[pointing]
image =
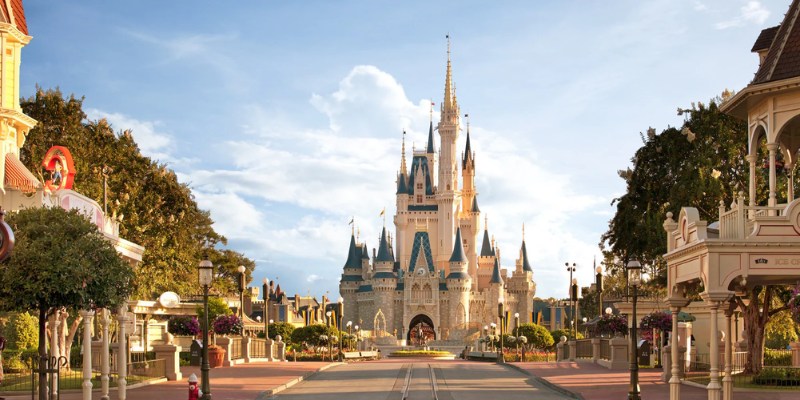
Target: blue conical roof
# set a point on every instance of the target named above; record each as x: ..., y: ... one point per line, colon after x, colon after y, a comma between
x: 458, y: 249
x: 430, y: 148
x: 402, y: 188
x: 475, y: 207
x: 496, y: 273
x: 486, y: 248
x: 364, y: 252
x: 526, y: 266
x: 383, y: 250
x: 353, y: 256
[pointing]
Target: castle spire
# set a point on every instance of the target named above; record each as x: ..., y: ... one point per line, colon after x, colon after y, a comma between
x: 448, y: 84
x: 430, y: 149
x: 403, y: 155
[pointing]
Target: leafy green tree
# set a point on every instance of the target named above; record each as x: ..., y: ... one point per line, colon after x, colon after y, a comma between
x: 21, y: 331
x: 156, y: 210
x: 311, y: 334
x: 60, y: 259
x: 538, y: 336
x: 216, y: 307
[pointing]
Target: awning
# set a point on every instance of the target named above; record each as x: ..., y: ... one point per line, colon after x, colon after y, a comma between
x: 18, y: 177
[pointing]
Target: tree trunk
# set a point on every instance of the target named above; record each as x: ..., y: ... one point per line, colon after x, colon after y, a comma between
x: 42, y: 355
x: 755, y: 322
x: 70, y: 337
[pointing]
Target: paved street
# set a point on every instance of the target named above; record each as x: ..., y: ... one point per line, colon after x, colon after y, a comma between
x: 419, y: 379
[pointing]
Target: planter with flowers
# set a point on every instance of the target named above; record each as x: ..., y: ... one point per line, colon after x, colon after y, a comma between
x: 228, y: 325
x: 611, y: 325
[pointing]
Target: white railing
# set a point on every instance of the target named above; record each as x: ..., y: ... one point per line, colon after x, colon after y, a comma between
x: 740, y: 219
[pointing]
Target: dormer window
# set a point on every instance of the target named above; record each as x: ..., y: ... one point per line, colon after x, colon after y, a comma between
x: 419, y: 186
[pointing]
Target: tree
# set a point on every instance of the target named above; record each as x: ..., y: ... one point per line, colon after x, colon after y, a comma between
x: 60, y: 259
x: 538, y: 336
x: 216, y: 307
x: 21, y: 331
x: 284, y: 329
x: 311, y: 334
x: 156, y: 210
x: 699, y: 165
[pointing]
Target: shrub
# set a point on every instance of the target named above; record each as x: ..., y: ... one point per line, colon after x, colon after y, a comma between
x: 558, y: 333
x: 183, y: 326
x: 537, y: 336
x: 216, y: 307
x: 284, y: 329
x: 777, y: 358
x: 22, y: 331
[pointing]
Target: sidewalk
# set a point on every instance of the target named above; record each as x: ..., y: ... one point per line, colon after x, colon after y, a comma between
x: 241, y: 382
x: 593, y: 382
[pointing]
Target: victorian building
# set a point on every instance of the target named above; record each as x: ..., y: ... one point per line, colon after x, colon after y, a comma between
x: 435, y: 276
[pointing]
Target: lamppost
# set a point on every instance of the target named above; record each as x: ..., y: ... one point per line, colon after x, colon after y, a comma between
x: 349, y: 333
x: 585, y: 331
x: 330, y: 337
x: 205, y: 275
x: 516, y: 330
x: 241, y: 270
x: 340, y: 314
x: 634, y: 269
x: 266, y: 312
x: 598, y: 284
x: 501, y: 313
x: 358, y: 336
x: 571, y: 269
x: 574, y: 295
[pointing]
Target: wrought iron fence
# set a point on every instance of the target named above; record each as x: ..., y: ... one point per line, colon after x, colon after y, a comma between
x: 605, y: 349
x: 258, y: 348
x: 583, y: 349
x: 236, y: 348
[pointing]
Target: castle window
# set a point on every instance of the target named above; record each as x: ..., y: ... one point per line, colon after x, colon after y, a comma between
x: 448, y: 186
x: 419, y: 198
x: 419, y: 186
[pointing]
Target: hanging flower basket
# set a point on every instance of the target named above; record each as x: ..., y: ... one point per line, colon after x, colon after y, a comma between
x: 612, y: 325
x: 228, y: 325
x: 657, y: 320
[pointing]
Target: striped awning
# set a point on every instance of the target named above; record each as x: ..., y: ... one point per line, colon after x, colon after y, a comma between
x: 18, y: 177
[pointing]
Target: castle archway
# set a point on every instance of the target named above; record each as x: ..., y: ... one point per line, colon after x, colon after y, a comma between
x: 420, y: 330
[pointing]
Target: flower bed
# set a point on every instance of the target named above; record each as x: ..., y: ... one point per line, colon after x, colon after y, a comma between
x: 420, y: 353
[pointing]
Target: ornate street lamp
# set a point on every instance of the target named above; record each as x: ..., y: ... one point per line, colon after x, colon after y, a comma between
x: 491, y: 342
x: 501, y: 313
x: 205, y: 275
x: 574, y: 296
x: 330, y: 337
x: 349, y: 334
x: 340, y: 315
x: 571, y: 269
x: 634, y: 270
x: 598, y: 284
x: 516, y: 329
x: 358, y: 335
x: 266, y: 318
x: 241, y: 270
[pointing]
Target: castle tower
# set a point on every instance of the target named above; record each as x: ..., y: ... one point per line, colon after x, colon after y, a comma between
x: 470, y: 212
x: 521, y: 284
x: 486, y: 259
x: 352, y: 277
x: 14, y: 124
x: 447, y: 185
x: 496, y: 291
x: 459, y: 284
x: 384, y: 283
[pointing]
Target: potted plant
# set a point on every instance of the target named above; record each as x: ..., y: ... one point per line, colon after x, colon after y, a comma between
x: 216, y: 355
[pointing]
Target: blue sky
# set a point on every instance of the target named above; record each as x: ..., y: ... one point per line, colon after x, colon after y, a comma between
x: 286, y: 117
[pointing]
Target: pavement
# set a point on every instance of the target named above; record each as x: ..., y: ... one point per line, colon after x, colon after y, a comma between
x: 241, y: 382
x: 590, y: 381
x: 583, y: 380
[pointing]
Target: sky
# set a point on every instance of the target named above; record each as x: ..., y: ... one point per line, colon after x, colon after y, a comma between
x: 286, y: 118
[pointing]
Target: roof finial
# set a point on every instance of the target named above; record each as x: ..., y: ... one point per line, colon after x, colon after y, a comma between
x: 352, y: 226
x: 448, y: 84
x: 523, y: 231
x: 358, y: 234
x: 448, y: 45
x: 486, y: 222
x: 431, y: 116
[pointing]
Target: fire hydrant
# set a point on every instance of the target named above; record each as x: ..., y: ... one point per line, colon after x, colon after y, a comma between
x: 194, y: 390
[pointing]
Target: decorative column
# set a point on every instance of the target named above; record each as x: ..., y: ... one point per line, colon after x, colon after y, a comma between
x: 727, y: 381
x: 714, y: 388
x: 122, y: 358
x: 773, y: 148
x: 790, y: 183
x: 751, y: 159
x: 55, y: 353
x: 88, y: 317
x: 105, y: 319
x: 675, y: 380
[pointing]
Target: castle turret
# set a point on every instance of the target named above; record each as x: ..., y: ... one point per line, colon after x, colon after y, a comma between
x: 352, y: 278
x: 486, y: 259
x: 447, y: 186
x: 384, y: 281
x: 459, y: 284
x: 521, y: 285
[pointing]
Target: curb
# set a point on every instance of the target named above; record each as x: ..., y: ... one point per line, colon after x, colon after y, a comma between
x: 546, y: 383
x: 271, y: 392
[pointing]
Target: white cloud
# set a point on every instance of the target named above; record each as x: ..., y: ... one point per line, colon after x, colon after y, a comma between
x: 752, y: 12
x: 292, y: 189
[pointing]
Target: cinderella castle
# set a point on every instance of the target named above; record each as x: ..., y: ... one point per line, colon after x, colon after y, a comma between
x: 435, y: 283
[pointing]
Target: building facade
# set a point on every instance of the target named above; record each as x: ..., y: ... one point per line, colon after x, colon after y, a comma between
x: 435, y: 278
